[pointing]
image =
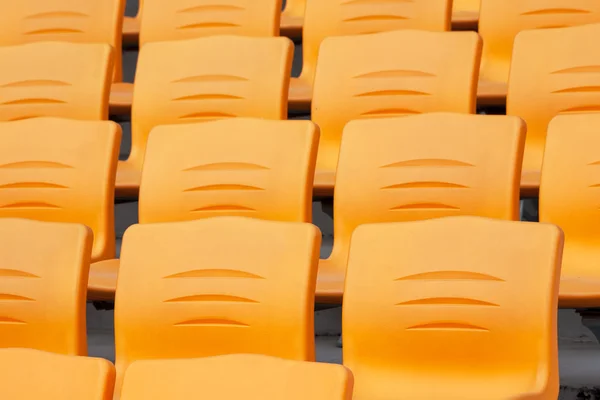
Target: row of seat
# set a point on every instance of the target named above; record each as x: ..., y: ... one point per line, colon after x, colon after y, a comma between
x: 424, y: 301
x: 100, y: 22
x: 33, y: 375
x: 387, y: 74
x: 390, y: 169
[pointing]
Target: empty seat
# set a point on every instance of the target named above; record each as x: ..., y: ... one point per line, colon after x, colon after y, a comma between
x: 431, y: 310
x: 337, y: 17
x: 61, y: 170
x: 131, y: 26
x: 234, y: 377
x: 465, y: 14
x: 421, y: 167
x: 568, y: 198
x: 55, y: 79
x: 190, y: 19
x: 553, y: 71
x: 43, y: 282
x: 26, y: 21
x: 204, y: 79
x: 216, y: 286
x: 247, y: 167
x: 502, y: 20
x: 390, y: 74
x: 33, y: 375
x: 292, y: 18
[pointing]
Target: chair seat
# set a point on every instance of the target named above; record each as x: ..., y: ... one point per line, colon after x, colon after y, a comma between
x: 330, y: 283
x: 291, y: 26
x: 324, y: 183
x: 465, y: 20
x: 579, y: 292
x: 530, y: 183
x: 131, y: 30
x: 491, y: 93
x: 300, y: 95
x: 128, y: 180
x: 121, y: 98
x: 102, y: 283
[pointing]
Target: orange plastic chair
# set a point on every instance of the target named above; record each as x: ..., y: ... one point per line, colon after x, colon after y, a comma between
x: 204, y: 79
x: 568, y: 198
x: 390, y: 74
x: 33, y: 375
x: 55, y: 79
x: 292, y: 18
x: 421, y: 167
x: 234, y: 377
x: 61, y: 170
x: 465, y: 14
x: 216, y: 286
x: 436, y: 301
x: 554, y: 71
x: 246, y: 167
x: 43, y: 282
x: 131, y: 26
x: 342, y: 17
x: 27, y: 21
x: 502, y: 20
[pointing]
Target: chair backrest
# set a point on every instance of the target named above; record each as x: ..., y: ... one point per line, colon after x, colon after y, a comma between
x: 216, y: 286
x: 570, y: 183
x: 55, y: 79
x: 426, y: 166
x: 26, y: 21
x: 208, y: 78
x: 295, y: 8
x: 61, y: 170
x: 391, y: 74
x: 239, y: 166
x: 440, y: 298
x: 352, y: 17
x: 501, y: 20
x: 43, y: 285
x: 189, y: 19
x: 465, y: 5
x: 31, y: 374
x: 234, y: 377
x: 553, y: 71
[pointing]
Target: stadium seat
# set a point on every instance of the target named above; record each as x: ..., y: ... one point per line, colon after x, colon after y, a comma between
x: 292, y: 18
x: 465, y: 14
x: 234, y: 377
x: 239, y: 166
x: 43, y: 282
x: 434, y: 310
x: 61, y: 170
x: 55, y: 79
x: 182, y: 19
x: 389, y: 74
x: 568, y: 198
x: 421, y: 167
x: 337, y: 18
x: 216, y: 286
x: 34, y: 375
x: 131, y: 26
x: 554, y: 71
x: 27, y: 21
x: 204, y: 79
x: 502, y: 20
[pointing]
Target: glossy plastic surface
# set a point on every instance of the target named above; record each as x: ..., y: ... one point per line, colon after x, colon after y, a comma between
x: 421, y: 167
x: 465, y: 14
x: 190, y: 19
x: 292, y: 18
x: 55, y: 79
x: 61, y: 170
x: 569, y: 198
x: 554, y: 71
x: 216, y: 286
x: 205, y: 79
x: 35, y: 375
x: 234, y: 377
x: 431, y: 307
x: 341, y: 18
x: 391, y: 74
x: 43, y: 285
x: 78, y: 21
x: 247, y: 167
